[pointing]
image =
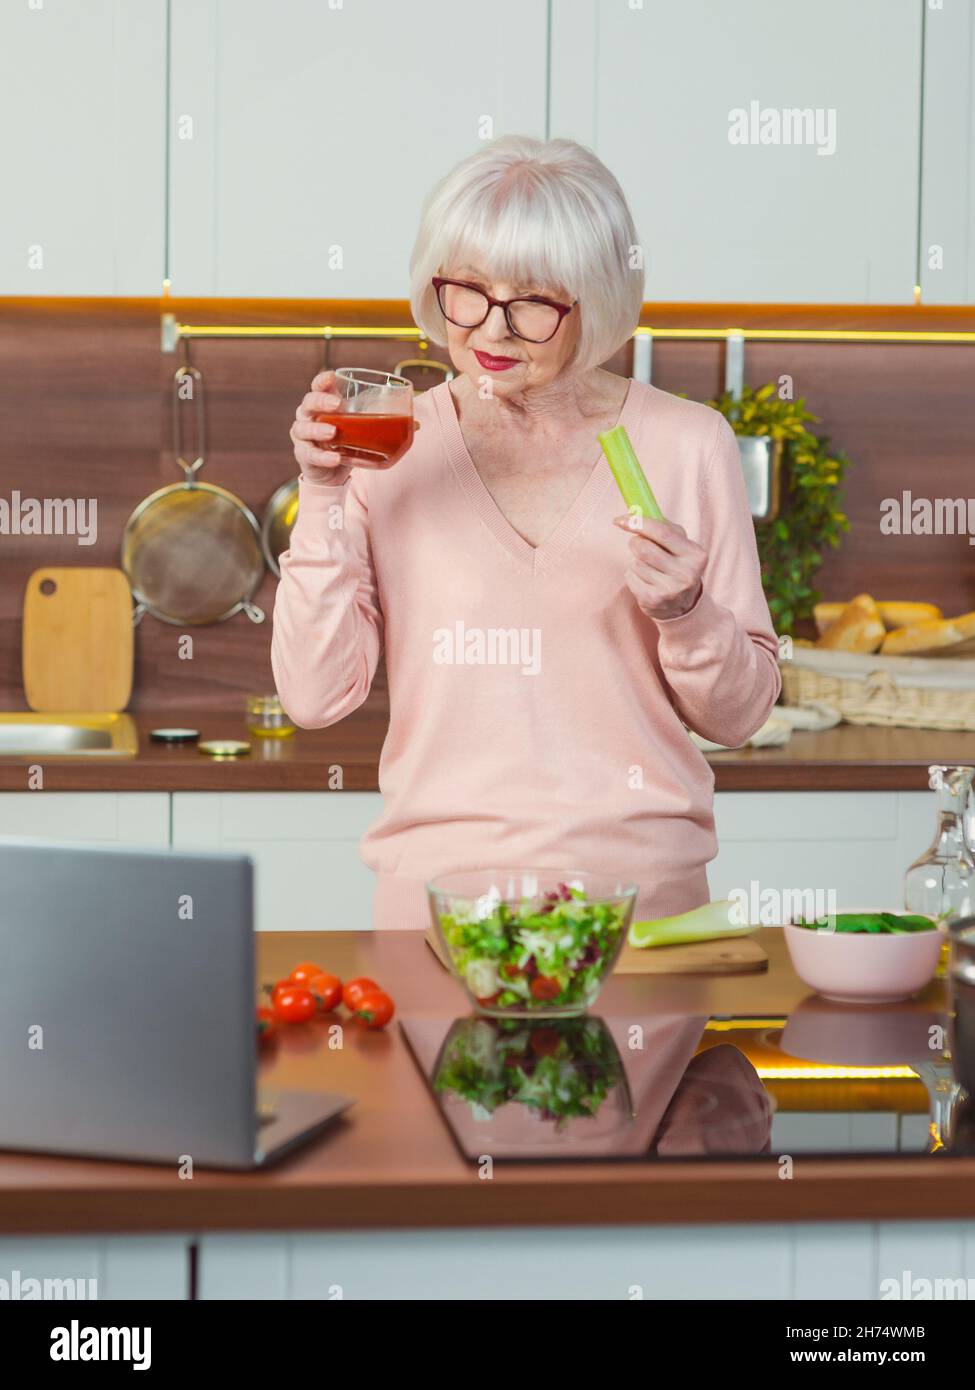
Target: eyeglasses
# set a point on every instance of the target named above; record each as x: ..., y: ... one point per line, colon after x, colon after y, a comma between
x: 530, y: 317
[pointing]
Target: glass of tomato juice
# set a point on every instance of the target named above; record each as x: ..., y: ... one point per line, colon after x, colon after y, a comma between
x: 374, y: 422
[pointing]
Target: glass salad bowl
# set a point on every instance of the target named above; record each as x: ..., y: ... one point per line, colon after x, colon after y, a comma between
x: 533, y: 1087
x: 528, y: 943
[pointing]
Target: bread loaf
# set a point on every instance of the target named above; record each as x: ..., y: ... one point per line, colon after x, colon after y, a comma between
x: 893, y: 613
x: 937, y: 637
x: 857, y: 629
x: 896, y: 614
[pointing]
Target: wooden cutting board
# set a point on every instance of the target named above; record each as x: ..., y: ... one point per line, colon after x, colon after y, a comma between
x: 735, y: 955
x: 78, y: 642
x: 732, y: 956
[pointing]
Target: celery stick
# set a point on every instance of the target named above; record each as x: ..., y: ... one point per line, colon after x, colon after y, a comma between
x: 630, y: 477
x: 710, y: 922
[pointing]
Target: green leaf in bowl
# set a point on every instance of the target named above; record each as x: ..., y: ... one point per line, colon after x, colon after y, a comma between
x: 900, y: 923
x: 873, y: 923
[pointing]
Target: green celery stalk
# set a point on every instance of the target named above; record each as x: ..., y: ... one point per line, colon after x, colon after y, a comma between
x: 710, y: 922
x: 630, y: 477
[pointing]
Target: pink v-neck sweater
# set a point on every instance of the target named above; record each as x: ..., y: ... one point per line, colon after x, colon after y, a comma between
x: 537, y: 717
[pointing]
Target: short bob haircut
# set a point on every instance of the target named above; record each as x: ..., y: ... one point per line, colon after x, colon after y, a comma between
x: 539, y: 215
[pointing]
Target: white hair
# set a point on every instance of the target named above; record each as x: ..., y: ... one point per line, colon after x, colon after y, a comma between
x: 535, y: 213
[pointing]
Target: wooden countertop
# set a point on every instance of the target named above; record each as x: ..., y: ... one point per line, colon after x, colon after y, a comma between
x: 391, y: 1162
x: 846, y: 758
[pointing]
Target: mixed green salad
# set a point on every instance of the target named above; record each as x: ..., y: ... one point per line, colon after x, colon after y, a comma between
x: 871, y: 923
x: 546, y: 954
x: 562, y: 1070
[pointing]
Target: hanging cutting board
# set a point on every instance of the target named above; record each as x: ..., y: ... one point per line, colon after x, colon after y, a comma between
x: 77, y: 644
x: 731, y: 956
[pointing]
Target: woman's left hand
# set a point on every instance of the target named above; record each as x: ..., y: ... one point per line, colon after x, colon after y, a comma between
x: 665, y: 574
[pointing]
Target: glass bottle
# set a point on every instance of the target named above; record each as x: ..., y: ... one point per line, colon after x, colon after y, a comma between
x: 941, y: 883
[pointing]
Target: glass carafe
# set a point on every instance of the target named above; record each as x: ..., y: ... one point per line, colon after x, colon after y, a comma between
x: 941, y: 883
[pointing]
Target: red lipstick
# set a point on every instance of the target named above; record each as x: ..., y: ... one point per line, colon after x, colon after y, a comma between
x: 496, y: 364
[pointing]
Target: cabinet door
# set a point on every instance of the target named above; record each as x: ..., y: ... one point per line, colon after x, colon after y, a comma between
x: 101, y: 1267
x: 304, y: 135
x: 82, y: 160
x: 849, y: 849
x: 653, y: 87
x: 307, y: 870
x: 948, y: 166
x: 125, y: 818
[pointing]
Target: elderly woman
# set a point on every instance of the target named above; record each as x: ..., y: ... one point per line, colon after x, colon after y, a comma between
x: 545, y: 658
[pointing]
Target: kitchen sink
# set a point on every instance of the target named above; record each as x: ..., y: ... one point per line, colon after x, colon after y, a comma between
x: 67, y: 736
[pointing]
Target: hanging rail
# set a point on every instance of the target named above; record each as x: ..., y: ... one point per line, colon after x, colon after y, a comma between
x: 811, y: 335
x: 174, y: 332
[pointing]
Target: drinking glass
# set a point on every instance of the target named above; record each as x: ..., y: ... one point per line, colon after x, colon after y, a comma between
x: 374, y: 421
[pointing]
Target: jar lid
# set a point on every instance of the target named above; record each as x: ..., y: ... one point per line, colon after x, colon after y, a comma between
x: 224, y: 748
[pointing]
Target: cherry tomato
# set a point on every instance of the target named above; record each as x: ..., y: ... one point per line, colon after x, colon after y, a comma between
x: 545, y: 987
x: 491, y: 999
x: 510, y: 971
x: 277, y: 988
x: 327, y: 990
x: 544, y: 1041
x: 304, y: 973
x: 266, y: 1024
x: 294, y: 1005
x: 355, y: 989
x: 374, y: 1009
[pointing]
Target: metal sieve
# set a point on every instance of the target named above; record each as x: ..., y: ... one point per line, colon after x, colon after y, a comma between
x: 192, y: 550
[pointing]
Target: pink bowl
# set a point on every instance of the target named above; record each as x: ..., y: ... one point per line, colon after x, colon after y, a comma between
x: 886, y: 1035
x: 864, y: 969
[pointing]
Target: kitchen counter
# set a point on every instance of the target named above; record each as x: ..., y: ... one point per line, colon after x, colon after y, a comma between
x: 847, y: 758
x: 392, y: 1164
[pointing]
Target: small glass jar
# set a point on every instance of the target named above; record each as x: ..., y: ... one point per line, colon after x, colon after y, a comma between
x: 266, y: 717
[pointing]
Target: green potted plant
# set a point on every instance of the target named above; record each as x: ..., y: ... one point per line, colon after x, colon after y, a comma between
x: 809, y: 517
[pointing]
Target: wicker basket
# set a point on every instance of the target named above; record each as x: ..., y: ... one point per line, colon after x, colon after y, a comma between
x: 897, y: 691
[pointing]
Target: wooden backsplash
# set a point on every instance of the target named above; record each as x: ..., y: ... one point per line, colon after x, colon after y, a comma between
x: 85, y: 412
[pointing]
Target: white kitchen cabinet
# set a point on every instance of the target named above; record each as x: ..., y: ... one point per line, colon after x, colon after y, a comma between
x: 308, y: 874
x: 310, y: 877
x: 126, y: 818
x: 948, y: 165
x: 782, y: 1261
x: 801, y: 1131
x: 508, y: 1263
x: 651, y: 86
x: 778, y: 1261
x: 98, y: 1267
x: 304, y: 136
x: 82, y: 160
x: 290, y: 153
x: 854, y: 844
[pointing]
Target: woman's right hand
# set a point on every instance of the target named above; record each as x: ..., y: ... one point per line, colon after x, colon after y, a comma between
x: 312, y: 437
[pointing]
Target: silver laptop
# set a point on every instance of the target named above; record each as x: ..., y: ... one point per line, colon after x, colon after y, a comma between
x: 127, y: 1009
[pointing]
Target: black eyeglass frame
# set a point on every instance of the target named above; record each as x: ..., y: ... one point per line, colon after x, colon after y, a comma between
x: 439, y: 282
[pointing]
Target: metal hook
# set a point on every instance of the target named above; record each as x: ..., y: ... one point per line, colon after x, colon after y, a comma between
x: 734, y: 367
x: 642, y: 357
x: 196, y: 395
x: 428, y: 364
